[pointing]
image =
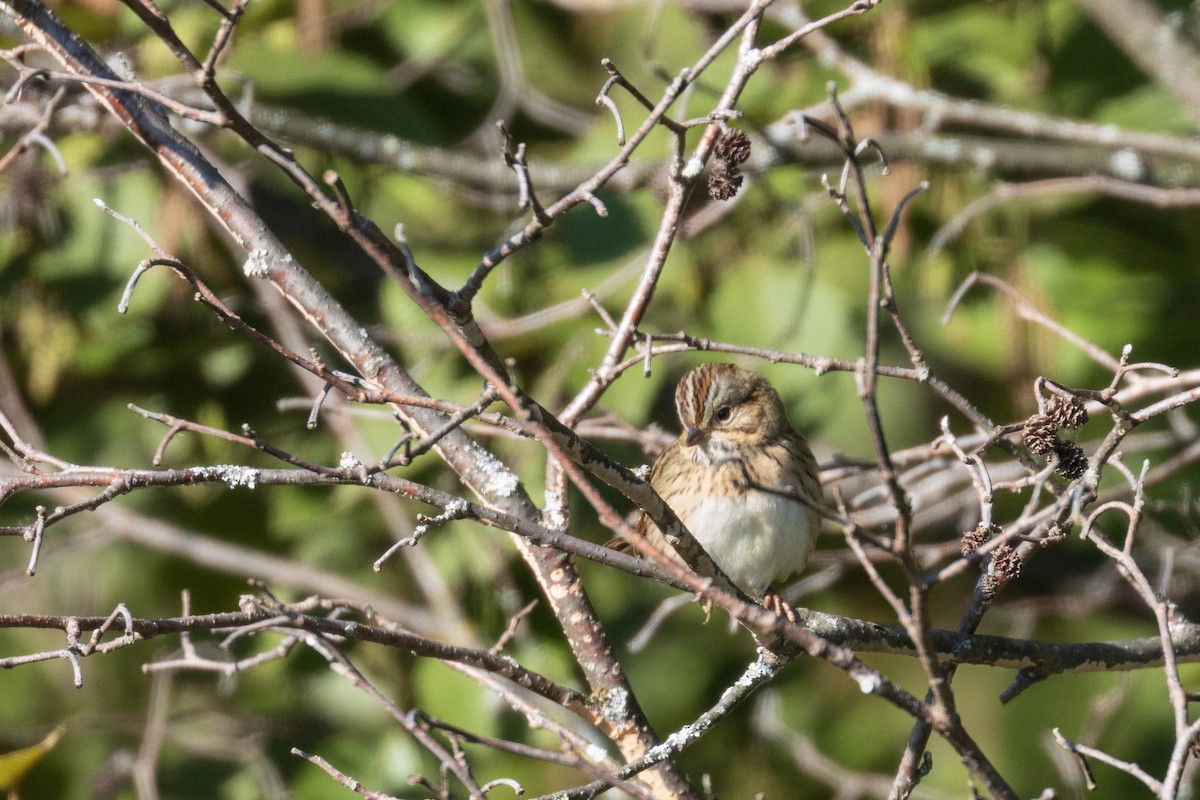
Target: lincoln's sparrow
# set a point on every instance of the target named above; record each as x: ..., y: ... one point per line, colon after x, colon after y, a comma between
x: 733, y: 475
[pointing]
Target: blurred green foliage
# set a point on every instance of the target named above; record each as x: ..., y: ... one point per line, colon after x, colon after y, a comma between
x: 780, y: 270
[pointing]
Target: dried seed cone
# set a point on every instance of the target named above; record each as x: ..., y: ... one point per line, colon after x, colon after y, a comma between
x: 1068, y: 412
x: 724, y: 181
x: 1040, y: 434
x: 733, y: 146
x: 1006, y: 565
x: 972, y: 539
x: 1072, y: 461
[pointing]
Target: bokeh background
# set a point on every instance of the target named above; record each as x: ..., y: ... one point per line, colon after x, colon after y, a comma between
x: 778, y: 268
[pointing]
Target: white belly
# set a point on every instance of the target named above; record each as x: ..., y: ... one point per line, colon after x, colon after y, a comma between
x: 754, y: 539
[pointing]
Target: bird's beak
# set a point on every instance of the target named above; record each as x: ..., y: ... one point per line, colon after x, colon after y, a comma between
x: 694, y: 435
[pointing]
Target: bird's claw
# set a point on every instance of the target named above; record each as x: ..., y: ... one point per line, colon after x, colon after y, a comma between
x: 772, y: 601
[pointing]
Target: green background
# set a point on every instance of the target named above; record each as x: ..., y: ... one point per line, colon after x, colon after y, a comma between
x: 781, y: 270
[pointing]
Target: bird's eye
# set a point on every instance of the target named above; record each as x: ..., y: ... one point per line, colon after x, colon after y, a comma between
x: 724, y: 413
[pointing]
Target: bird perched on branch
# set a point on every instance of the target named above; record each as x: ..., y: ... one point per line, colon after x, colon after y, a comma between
x: 740, y: 478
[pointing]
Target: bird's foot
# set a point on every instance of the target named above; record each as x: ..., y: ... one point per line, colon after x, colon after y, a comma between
x: 772, y: 601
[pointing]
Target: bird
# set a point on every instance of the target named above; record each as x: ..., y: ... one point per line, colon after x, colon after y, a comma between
x: 740, y: 478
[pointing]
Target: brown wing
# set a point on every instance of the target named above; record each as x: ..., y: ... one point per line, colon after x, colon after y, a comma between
x: 621, y: 545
